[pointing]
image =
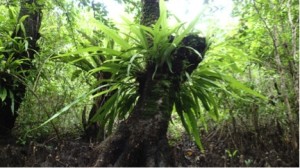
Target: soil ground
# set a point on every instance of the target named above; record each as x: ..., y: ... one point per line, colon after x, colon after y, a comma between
x: 222, y: 148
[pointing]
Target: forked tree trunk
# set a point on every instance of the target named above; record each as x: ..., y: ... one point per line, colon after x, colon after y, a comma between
x: 141, y: 139
x: 9, y: 107
x: 95, y: 131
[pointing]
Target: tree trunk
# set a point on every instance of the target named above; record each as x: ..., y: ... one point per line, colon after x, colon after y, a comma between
x: 284, y: 91
x: 141, y: 139
x: 294, y: 67
x: 9, y: 107
x: 95, y: 131
x: 275, y: 36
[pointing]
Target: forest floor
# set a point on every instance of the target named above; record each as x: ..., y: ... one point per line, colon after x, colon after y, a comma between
x: 222, y: 148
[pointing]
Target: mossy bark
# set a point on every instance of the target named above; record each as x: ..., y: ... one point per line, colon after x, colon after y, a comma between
x: 141, y: 139
x: 150, y: 12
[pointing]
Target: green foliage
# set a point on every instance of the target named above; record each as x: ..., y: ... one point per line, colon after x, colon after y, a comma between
x: 135, y: 45
x: 176, y: 129
x: 254, y: 58
x: 231, y: 154
x: 11, y: 59
x: 49, y: 85
x: 89, y: 45
x: 8, y: 70
x: 128, y: 59
x: 45, y: 97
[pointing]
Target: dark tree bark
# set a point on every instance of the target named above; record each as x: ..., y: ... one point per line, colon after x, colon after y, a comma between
x: 150, y: 12
x: 32, y: 24
x: 141, y: 139
x: 95, y: 131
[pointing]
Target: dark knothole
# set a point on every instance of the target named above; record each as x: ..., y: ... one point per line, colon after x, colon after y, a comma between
x: 185, y: 59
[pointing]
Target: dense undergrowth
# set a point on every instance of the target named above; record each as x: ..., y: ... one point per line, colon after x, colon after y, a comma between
x: 249, y: 118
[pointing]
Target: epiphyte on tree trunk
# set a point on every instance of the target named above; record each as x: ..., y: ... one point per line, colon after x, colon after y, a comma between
x: 189, y: 53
